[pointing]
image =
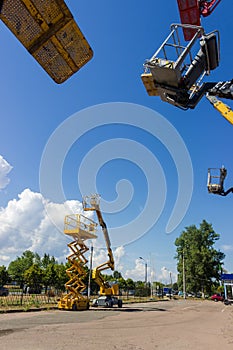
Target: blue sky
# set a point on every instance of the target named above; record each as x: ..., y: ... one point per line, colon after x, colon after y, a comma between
x: 33, y: 108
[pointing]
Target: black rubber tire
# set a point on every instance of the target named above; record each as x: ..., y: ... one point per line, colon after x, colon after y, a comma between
x: 120, y: 303
x: 74, y: 307
x: 109, y: 304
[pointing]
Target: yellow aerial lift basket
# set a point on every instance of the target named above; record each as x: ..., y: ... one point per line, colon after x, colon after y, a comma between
x: 50, y: 34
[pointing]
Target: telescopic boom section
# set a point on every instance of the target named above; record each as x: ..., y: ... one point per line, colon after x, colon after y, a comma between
x: 110, y: 263
x: 92, y: 204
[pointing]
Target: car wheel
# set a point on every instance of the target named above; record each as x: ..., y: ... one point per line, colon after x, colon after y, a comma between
x: 74, y: 307
x: 215, y: 300
x: 119, y: 303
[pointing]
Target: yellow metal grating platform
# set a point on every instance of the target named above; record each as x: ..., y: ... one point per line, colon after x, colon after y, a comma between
x: 80, y: 227
x: 48, y: 31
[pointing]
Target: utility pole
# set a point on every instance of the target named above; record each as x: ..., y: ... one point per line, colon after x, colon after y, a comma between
x: 171, y: 284
x: 90, y: 272
x: 184, y: 284
x: 145, y: 262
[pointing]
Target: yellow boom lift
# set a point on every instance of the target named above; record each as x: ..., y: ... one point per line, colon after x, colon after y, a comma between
x: 107, y: 291
x: 80, y: 229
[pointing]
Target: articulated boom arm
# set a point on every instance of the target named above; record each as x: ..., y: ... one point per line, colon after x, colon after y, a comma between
x: 207, y: 7
x: 110, y: 263
x: 222, y: 90
x: 105, y: 287
x: 191, y: 12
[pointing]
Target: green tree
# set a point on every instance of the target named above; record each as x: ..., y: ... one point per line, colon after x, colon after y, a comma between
x: 4, y: 276
x: 130, y: 284
x: 198, y: 258
x: 175, y: 286
x: 116, y: 275
x: 47, y: 260
x: 50, y: 276
x: 61, y: 276
x: 17, y: 267
x: 33, y: 278
x: 122, y: 284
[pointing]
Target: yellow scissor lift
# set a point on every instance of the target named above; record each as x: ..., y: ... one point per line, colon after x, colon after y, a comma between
x: 80, y: 228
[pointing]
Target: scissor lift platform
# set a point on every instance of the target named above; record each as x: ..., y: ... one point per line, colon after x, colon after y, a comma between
x: 80, y: 227
x: 49, y: 32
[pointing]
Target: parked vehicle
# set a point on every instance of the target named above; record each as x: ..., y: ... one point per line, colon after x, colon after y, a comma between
x: 107, y: 301
x: 4, y: 291
x: 217, y: 297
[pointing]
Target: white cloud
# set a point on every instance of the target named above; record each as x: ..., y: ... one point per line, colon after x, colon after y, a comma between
x: 137, y: 273
x: 100, y: 256
x: 227, y: 247
x: 5, y: 168
x: 166, y: 276
x: 119, y: 253
x: 4, y: 258
x: 32, y: 222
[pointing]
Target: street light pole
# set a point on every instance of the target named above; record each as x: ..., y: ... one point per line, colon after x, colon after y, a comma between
x: 140, y: 257
x: 171, y: 284
x: 170, y: 289
x: 90, y: 272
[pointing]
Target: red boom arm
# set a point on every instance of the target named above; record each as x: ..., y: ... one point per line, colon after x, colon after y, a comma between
x: 191, y: 11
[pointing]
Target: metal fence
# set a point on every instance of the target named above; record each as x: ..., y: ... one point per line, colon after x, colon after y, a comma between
x: 17, y: 297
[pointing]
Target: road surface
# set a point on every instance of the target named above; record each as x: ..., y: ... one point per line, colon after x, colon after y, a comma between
x: 173, y: 324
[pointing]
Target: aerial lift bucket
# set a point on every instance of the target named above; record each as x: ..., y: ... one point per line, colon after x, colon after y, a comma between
x: 91, y: 202
x: 215, y: 182
x: 176, y: 69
